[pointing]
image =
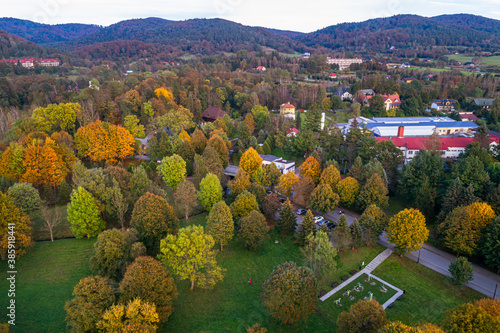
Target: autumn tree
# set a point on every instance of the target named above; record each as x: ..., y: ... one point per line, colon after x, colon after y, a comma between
x: 240, y: 183
x: 323, y: 199
x: 379, y: 216
x: 210, y: 191
x: 311, y: 168
x: 185, y: 196
x: 147, y: 279
x: 461, y: 271
x: 305, y: 228
x: 220, y: 224
x: 190, y: 255
x: 490, y: 305
x: 136, y: 316
x: 373, y: 193
x: 244, y: 203
x: 212, y: 163
x: 249, y: 121
x: 407, y: 230
x: 176, y: 119
x: 154, y: 219
x: 330, y: 176
x: 398, y: 327
x: 83, y: 214
x: 131, y: 124
x: 173, y: 170
x: 287, y: 221
x: 91, y: 297
x: 289, y: 294
x: 13, y: 223
x: 467, y: 318
x: 57, y: 117
x: 270, y: 205
x: 320, y: 254
x: 199, y: 141
x: 303, y: 190
x: 287, y: 183
x: 253, y: 230
x: 363, y: 316
x: 220, y: 147
x: 103, y: 142
x: 250, y: 161
x: 348, y: 190
x: 463, y: 227
x: 112, y: 252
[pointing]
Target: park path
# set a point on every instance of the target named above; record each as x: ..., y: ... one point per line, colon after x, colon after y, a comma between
x: 367, y: 270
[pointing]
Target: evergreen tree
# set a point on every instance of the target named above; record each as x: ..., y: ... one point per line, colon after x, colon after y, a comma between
x: 453, y: 197
x: 425, y: 200
x: 356, y: 170
x: 342, y: 233
x: 356, y: 234
x: 468, y: 196
x: 306, y: 228
x: 287, y: 221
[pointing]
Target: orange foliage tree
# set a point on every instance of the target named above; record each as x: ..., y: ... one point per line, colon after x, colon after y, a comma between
x: 103, y: 142
x: 311, y: 168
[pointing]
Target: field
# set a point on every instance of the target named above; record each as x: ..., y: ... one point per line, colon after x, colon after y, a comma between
x: 493, y: 60
x: 49, y: 272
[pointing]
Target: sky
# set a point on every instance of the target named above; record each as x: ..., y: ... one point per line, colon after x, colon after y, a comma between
x: 296, y: 15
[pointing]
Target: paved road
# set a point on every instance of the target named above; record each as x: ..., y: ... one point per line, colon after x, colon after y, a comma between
x: 484, y: 281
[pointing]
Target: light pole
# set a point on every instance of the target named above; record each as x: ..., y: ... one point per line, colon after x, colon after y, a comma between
x: 495, y: 293
x: 418, y: 261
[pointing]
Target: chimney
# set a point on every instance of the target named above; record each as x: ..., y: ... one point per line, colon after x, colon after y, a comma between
x: 401, y: 131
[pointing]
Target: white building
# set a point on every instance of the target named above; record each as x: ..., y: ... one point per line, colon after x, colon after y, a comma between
x: 283, y: 165
x: 343, y: 63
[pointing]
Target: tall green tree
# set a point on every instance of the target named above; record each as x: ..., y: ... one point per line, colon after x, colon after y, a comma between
x: 461, y: 271
x: 173, y: 170
x: 210, y: 191
x: 342, y: 233
x: 320, y: 254
x: 220, y: 224
x: 373, y: 193
x: 190, y: 255
x: 287, y: 221
x: 83, y: 214
x: 306, y: 228
x: 425, y: 164
x: 253, y: 230
x: 490, y: 244
x: 363, y: 316
x: 356, y: 234
x: 289, y: 294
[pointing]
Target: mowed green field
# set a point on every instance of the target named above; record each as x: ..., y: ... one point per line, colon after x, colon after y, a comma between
x: 493, y: 60
x: 45, y: 280
x: 48, y: 273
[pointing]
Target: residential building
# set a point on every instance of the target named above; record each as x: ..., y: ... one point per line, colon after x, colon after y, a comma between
x: 49, y: 62
x: 444, y: 105
x: 485, y: 103
x: 343, y: 93
x: 332, y: 75
x: 283, y: 165
x: 451, y: 147
x: 360, y: 95
x: 261, y: 69
x: 288, y: 110
x: 306, y: 55
x: 408, y: 79
x: 25, y: 62
x: 292, y: 132
x: 467, y: 116
x: 343, y: 63
x: 391, y: 101
x: 212, y: 113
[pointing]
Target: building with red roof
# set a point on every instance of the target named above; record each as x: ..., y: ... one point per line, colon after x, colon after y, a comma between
x: 292, y: 132
x: 288, y: 110
x: 451, y: 147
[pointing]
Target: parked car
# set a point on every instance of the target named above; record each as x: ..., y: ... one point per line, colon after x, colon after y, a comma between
x: 318, y: 218
x: 269, y: 192
x: 282, y: 200
x: 322, y: 221
x: 331, y: 225
x: 301, y: 211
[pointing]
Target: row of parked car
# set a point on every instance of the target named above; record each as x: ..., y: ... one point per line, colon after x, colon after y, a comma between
x: 319, y: 220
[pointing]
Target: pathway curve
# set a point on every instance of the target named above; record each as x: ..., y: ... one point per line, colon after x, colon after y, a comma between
x: 367, y: 270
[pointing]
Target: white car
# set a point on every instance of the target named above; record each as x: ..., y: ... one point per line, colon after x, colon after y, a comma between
x: 318, y: 218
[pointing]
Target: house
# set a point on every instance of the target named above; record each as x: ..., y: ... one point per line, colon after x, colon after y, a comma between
x: 485, y: 103
x: 306, y: 55
x: 332, y: 76
x: 212, y: 113
x: 451, y: 147
x: 288, y: 110
x: 283, y: 165
x: 444, y: 105
x: 360, y: 95
x: 343, y: 93
x: 292, y: 132
x: 467, y: 116
x: 408, y: 79
x: 343, y: 63
x: 25, y: 62
x: 49, y: 62
x: 391, y: 101
x: 261, y: 69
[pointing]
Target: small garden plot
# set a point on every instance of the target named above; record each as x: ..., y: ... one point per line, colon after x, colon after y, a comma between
x: 363, y: 288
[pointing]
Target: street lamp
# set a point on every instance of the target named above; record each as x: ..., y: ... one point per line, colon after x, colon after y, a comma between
x: 418, y: 260
x: 495, y: 293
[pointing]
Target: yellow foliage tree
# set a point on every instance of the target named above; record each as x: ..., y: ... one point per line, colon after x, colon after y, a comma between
x: 249, y: 121
x: 348, y: 190
x: 330, y: 176
x: 103, y: 142
x: 136, y: 316
x: 311, y: 168
x: 407, y: 230
x: 183, y: 135
x: 250, y: 161
x: 240, y: 183
x: 287, y: 183
x: 164, y: 94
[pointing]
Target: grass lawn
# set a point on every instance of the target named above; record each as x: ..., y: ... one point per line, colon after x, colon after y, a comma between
x: 428, y: 293
x: 62, y: 230
x: 45, y: 280
x: 493, y: 60
x: 279, y: 153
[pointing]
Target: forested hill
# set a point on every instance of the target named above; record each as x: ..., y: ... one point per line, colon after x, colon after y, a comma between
x: 197, y: 35
x: 15, y: 47
x: 45, y: 33
x: 475, y: 22
x: 285, y: 33
x: 403, y: 32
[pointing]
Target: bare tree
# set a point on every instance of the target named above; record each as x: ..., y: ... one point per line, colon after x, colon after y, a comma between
x: 89, y: 113
x: 52, y: 218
